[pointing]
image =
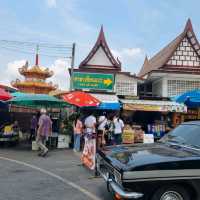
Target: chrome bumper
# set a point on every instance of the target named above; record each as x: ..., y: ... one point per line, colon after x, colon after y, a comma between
x: 117, y: 189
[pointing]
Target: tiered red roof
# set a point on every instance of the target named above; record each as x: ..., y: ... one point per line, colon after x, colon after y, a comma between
x: 160, y: 62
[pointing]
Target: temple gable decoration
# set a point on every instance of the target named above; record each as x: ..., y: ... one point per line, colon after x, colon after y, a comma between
x: 182, y: 55
x: 100, y: 57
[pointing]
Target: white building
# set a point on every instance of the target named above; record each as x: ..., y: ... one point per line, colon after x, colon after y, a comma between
x: 175, y: 69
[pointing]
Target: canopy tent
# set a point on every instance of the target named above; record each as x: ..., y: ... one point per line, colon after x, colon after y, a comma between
x: 108, y: 101
x: 191, y: 98
x: 4, y: 96
x: 38, y: 101
x: 81, y: 99
x: 18, y: 94
x: 155, y: 106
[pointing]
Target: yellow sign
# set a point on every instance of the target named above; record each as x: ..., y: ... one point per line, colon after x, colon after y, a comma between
x: 142, y: 107
x: 128, y: 136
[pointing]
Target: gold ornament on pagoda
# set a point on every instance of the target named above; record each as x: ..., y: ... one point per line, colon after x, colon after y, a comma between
x: 35, y: 80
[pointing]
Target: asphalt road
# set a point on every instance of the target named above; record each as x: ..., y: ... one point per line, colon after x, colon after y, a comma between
x: 25, y: 176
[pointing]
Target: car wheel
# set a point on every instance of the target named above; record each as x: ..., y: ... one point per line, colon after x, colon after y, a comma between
x: 174, y: 192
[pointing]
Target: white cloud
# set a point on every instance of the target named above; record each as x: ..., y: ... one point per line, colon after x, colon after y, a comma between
x: 11, y: 72
x: 130, y: 53
x: 51, y: 3
x: 130, y: 58
x: 61, y: 74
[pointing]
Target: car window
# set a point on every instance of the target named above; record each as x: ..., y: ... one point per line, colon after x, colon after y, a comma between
x: 186, y: 134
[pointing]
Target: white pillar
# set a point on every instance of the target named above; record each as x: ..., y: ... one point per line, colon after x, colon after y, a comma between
x: 164, y: 87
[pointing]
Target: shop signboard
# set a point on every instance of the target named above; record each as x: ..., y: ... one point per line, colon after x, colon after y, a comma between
x: 158, y: 108
x: 93, y: 81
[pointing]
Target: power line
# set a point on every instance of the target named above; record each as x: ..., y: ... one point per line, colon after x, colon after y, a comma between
x: 46, y: 49
x: 44, y: 44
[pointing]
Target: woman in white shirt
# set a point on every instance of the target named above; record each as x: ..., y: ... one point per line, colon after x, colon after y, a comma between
x: 102, y: 121
x: 118, y: 130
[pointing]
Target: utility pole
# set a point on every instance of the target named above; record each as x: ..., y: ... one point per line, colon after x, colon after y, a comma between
x: 72, y: 67
x: 37, y: 55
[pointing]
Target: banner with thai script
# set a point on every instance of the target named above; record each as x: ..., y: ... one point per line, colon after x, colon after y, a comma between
x: 158, y: 108
x: 93, y: 81
x: 89, y: 152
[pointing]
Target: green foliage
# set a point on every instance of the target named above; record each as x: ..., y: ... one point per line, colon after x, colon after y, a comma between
x: 67, y: 124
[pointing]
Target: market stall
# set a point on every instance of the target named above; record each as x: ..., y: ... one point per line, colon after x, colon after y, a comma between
x: 192, y: 100
x: 154, y: 117
x: 6, y: 132
x: 24, y: 106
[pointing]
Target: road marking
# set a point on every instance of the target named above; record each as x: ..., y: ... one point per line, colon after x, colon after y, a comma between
x: 75, y: 186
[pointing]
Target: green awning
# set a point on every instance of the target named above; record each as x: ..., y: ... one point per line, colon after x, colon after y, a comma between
x: 38, y: 101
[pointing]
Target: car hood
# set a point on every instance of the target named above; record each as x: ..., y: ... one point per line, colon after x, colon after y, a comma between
x: 149, y: 156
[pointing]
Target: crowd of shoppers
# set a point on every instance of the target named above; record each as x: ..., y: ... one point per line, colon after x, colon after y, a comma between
x: 107, y: 129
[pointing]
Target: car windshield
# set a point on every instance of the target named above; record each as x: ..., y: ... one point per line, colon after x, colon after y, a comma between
x: 186, y: 134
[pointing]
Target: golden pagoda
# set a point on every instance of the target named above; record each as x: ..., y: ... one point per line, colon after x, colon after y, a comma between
x: 35, y: 78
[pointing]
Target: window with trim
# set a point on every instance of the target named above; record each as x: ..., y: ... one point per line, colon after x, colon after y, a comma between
x: 177, y: 87
x: 126, y: 88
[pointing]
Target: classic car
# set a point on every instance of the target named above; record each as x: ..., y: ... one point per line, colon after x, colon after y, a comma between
x: 166, y: 170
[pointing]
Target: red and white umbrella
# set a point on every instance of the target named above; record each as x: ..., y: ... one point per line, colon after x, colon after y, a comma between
x: 4, y: 96
x: 80, y: 99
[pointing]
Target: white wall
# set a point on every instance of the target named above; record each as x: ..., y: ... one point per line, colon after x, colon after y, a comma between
x: 125, y: 85
x: 100, y: 58
x: 160, y: 85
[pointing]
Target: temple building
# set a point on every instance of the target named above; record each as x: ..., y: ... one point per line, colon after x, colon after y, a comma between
x: 175, y: 69
x: 100, y: 72
x: 35, y: 79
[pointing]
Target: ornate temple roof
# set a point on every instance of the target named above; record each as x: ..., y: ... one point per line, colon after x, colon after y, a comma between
x: 100, y: 57
x: 34, y: 79
x: 182, y: 55
x: 35, y: 71
x: 34, y: 87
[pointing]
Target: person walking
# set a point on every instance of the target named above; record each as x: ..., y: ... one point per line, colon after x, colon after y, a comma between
x: 43, y: 132
x: 34, y: 124
x: 78, y: 127
x: 118, y: 129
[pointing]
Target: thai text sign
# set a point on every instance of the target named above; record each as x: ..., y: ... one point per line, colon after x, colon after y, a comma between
x: 93, y: 81
x: 158, y: 108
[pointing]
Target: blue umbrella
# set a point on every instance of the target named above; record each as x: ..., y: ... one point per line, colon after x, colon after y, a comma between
x: 192, y: 94
x: 191, y: 99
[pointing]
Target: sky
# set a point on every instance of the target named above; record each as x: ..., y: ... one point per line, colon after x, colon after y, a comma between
x: 133, y: 29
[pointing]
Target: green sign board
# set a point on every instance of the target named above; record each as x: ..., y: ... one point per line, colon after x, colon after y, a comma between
x: 93, y: 81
